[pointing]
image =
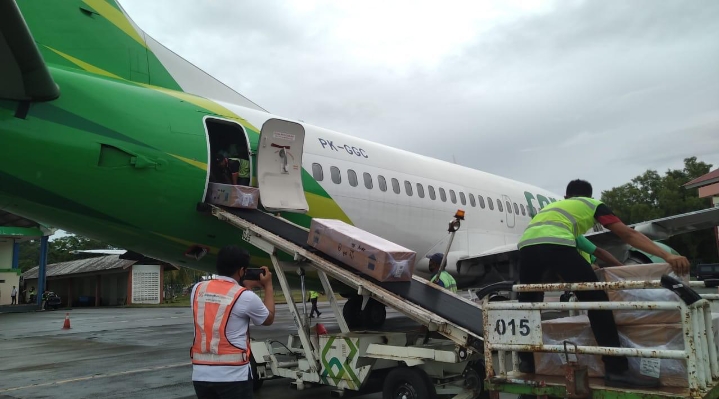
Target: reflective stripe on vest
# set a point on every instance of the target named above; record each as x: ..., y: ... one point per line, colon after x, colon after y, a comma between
x: 212, y: 307
x: 560, y: 222
x: 585, y: 256
x: 447, y: 280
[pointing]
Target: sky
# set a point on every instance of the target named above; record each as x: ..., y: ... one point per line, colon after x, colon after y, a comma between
x: 537, y: 91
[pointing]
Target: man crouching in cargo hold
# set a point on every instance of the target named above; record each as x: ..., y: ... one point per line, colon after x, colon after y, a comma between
x: 221, y: 311
x: 549, y: 244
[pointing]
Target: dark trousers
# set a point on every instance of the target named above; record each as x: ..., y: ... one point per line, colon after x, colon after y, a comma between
x: 223, y: 390
x: 314, y: 307
x: 567, y: 263
x: 13, y: 300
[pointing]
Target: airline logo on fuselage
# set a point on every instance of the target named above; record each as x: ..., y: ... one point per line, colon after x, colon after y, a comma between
x: 541, y: 200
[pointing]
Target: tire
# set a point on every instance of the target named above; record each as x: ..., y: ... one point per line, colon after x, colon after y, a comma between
x: 474, y: 377
x: 256, y: 380
x: 408, y: 383
x: 352, y: 312
x: 374, y: 315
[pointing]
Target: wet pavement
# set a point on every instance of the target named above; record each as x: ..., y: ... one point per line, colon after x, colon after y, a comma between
x: 124, y: 352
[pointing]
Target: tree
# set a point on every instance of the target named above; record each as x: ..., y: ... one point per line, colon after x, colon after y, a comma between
x: 59, y: 250
x: 651, y: 196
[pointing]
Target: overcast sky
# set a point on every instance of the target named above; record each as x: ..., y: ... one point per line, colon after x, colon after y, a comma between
x: 540, y: 92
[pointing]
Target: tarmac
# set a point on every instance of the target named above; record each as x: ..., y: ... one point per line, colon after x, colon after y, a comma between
x: 125, y: 352
x: 130, y: 353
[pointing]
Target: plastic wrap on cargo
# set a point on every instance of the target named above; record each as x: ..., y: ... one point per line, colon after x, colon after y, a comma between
x: 635, y: 273
x: 234, y: 196
x: 671, y: 372
x: 575, y: 329
x: 371, y: 255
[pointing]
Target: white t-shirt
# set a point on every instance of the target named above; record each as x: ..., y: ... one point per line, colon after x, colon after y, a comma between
x: 249, y: 306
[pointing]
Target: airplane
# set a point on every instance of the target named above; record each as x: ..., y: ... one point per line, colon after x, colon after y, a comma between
x: 108, y: 134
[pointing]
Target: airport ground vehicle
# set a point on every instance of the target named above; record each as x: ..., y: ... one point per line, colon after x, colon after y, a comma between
x: 409, y: 365
x: 52, y: 301
x: 707, y: 271
x: 462, y: 363
x: 700, y: 351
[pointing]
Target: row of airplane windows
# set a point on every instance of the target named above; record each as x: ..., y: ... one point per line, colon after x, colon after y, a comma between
x: 336, y: 176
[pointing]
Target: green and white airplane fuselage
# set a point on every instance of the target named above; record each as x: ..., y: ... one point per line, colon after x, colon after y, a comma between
x: 108, y: 134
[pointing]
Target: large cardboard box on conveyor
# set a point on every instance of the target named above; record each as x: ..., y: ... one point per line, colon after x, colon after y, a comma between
x: 234, y: 196
x: 635, y: 273
x: 371, y: 255
x: 671, y: 372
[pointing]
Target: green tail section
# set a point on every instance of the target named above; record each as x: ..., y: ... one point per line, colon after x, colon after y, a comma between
x: 96, y: 34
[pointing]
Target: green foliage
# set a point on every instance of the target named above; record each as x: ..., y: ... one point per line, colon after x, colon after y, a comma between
x: 651, y: 196
x: 59, y: 250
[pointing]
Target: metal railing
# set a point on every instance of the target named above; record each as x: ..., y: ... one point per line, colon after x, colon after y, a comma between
x: 516, y: 327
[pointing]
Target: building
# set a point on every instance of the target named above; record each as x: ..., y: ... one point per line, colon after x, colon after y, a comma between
x: 14, y: 230
x: 105, y: 280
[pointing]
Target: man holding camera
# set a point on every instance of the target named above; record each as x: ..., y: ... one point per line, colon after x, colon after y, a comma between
x: 222, y: 309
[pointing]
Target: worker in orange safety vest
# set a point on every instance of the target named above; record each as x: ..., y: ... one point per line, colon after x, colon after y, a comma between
x: 222, y: 309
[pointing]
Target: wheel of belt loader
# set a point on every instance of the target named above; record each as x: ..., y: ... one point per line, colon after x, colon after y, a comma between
x: 474, y: 379
x: 408, y: 383
x: 256, y: 380
x: 352, y: 312
x: 374, y: 314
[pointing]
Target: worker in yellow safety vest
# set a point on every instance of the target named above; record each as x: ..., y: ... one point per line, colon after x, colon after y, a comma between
x: 222, y: 309
x: 549, y: 244
x: 444, y: 279
x: 314, y: 295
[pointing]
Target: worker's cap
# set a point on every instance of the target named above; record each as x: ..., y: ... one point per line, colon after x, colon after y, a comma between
x: 436, y: 258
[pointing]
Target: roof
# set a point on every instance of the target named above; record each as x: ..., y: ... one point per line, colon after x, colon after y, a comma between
x: 10, y: 220
x: 709, y: 178
x: 89, y: 265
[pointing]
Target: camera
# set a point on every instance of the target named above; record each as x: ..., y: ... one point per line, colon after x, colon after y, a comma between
x: 253, y: 274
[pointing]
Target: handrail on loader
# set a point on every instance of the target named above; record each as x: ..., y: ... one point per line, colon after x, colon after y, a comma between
x: 516, y: 327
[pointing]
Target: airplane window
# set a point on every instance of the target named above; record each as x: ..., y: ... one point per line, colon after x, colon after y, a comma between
x: 382, y: 183
x: 453, y: 196
x: 352, y: 177
x: 420, y: 190
x: 336, y: 178
x: 317, y: 172
x: 490, y: 203
x: 516, y: 208
x: 432, y: 195
x: 395, y: 185
x: 524, y: 213
x: 499, y: 205
x: 481, y: 201
x: 509, y: 207
x: 442, y: 194
x: 462, y: 198
x: 408, y: 188
x: 471, y: 200
x: 368, y: 180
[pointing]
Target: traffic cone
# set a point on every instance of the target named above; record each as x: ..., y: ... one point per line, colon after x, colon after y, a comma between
x: 66, y: 326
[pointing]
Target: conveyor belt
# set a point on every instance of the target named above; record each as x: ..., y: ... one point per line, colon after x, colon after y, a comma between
x: 439, y: 302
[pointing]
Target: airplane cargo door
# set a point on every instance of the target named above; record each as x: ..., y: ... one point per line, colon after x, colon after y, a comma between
x: 279, y: 166
x: 508, y: 212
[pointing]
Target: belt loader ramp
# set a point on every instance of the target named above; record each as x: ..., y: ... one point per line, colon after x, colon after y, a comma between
x: 406, y: 367
x: 461, y: 365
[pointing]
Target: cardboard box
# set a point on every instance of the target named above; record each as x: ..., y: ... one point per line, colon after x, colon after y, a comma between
x: 234, y: 196
x: 371, y: 255
x: 641, y: 272
x: 672, y: 372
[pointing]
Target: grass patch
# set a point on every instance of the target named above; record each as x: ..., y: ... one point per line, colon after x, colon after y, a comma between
x: 179, y: 302
x: 183, y: 301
